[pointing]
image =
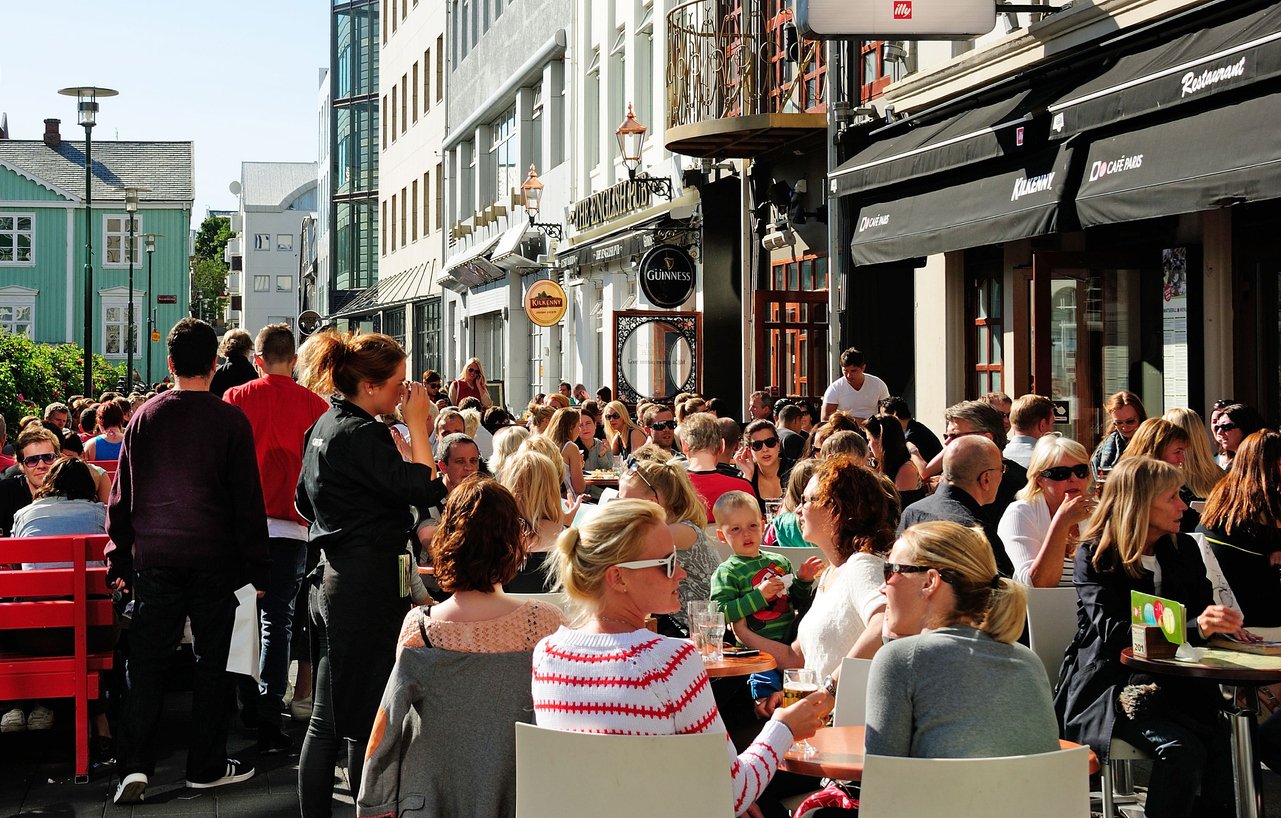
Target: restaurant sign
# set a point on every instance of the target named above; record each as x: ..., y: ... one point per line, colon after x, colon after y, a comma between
x: 545, y: 303
x: 612, y: 203
x: 667, y: 275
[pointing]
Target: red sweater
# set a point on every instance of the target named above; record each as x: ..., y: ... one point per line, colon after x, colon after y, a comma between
x: 280, y: 412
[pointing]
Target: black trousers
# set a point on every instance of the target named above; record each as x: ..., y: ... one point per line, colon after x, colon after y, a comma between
x: 163, y: 599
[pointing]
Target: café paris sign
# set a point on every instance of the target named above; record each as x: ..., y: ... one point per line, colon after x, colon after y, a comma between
x: 545, y: 303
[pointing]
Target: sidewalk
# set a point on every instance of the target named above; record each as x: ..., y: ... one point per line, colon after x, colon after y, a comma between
x: 36, y: 776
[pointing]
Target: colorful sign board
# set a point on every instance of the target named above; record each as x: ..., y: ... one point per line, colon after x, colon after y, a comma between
x: 894, y: 19
x: 545, y: 303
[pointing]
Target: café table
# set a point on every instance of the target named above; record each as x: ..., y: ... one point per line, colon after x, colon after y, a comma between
x: 1245, y: 673
x: 840, y: 755
x: 739, y: 665
x: 604, y: 482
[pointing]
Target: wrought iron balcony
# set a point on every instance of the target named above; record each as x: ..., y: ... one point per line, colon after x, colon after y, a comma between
x: 739, y: 82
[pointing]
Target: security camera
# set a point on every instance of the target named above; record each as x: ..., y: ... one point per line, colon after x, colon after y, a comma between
x: 777, y: 239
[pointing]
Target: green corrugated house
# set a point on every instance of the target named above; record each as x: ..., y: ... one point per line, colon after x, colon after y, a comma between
x: 42, y: 242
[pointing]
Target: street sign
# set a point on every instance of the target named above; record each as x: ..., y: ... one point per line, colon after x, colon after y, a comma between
x: 166, y: 299
x: 155, y: 336
x: 894, y: 19
x: 308, y: 322
x: 1062, y: 412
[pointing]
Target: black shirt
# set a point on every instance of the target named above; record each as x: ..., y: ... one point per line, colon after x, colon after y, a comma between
x: 14, y: 496
x: 237, y: 370
x: 925, y: 441
x: 957, y: 505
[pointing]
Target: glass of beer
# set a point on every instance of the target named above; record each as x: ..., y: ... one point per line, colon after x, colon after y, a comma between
x: 799, y: 682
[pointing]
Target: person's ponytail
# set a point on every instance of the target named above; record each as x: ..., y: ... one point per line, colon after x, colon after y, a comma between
x: 1006, y: 611
x: 331, y: 362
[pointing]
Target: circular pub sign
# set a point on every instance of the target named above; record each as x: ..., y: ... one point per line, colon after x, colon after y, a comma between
x: 667, y: 275
x: 545, y: 303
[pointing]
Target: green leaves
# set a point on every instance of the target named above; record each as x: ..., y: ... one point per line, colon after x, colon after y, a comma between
x: 34, y: 375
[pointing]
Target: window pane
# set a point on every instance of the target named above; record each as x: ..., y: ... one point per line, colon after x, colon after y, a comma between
x: 114, y: 345
x: 23, y: 314
x: 6, y: 223
x: 6, y: 315
x: 24, y: 222
x: 284, y: 283
x: 115, y: 314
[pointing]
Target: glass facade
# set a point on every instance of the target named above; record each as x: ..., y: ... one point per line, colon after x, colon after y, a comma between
x: 354, y: 145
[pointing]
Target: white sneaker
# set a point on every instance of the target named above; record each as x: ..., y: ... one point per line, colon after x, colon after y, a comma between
x: 300, y: 709
x: 15, y: 721
x: 132, y: 789
x: 236, y: 771
x: 40, y: 718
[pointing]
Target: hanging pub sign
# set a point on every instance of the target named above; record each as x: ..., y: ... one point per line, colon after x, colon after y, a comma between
x: 894, y: 19
x: 667, y: 275
x: 545, y: 303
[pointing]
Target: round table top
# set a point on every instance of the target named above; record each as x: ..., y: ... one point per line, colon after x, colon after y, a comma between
x: 1228, y: 667
x: 740, y: 666
x: 840, y: 755
x: 604, y: 481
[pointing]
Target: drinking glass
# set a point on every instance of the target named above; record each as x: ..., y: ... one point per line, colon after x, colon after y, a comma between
x: 712, y: 627
x: 772, y: 509
x: 695, y: 610
x: 799, y: 682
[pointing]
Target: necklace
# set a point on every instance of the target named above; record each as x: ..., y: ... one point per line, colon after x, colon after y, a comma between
x: 630, y: 626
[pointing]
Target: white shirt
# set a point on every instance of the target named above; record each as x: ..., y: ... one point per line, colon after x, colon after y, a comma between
x: 861, y: 403
x: 1023, y: 529
x: 845, y: 599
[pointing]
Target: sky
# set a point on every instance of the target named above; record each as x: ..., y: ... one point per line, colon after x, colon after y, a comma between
x: 239, y: 78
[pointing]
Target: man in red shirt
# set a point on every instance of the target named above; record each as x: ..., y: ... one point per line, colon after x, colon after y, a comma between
x: 280, y: 412
x: 702, y: 442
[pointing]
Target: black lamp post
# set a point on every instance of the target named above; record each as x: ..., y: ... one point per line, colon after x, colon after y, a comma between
x: 151, y: 314
x: 631, y: 139
x: 131, y: 209
x: 87, y: 106
x: 531, y: 193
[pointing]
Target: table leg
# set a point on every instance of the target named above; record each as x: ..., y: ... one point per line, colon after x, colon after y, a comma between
x: 1245, y: 772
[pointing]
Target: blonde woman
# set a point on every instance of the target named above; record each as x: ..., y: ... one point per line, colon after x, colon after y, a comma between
x: 1200, y: 473
x: 622, y: 435
x: 668, y: 485
x: 534, y: 479
x: 506, y: 443
x: 563, y: 431
x: 470, y: 383
x: 1040, y: 529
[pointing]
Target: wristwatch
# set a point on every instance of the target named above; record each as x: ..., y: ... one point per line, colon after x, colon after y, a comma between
x: 829, y: 684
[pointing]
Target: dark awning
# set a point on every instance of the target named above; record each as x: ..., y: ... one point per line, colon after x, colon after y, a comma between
x: 996, y: 203
x: 1001, y: 128
x: 1188, y: 69
x: 1211, y: 159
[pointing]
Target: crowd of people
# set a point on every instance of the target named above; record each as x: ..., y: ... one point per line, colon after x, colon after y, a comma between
x: 329, y: 494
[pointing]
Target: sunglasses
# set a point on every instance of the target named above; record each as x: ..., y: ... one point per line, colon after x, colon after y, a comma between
x: 891, y: 569
x: 661, y: 425
x: 1061, y: 473
x: 634, y: 468
x: 31, y: 461
x: 612, y: 416
x: 433, y: 384
x: 767, y: 443
x: 473, y: 372
x: 668, y: 563
x: 1225, y: 427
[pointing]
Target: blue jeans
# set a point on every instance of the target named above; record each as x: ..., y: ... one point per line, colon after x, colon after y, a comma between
x: 276, y: 613
x: 1184, y: 760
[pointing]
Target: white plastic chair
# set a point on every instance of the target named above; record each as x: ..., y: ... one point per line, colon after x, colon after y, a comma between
x: 1051, y: 616
x: 561, y: 774
x: 1047, y: 785
x: 851, y: 693
x: 795, y: 555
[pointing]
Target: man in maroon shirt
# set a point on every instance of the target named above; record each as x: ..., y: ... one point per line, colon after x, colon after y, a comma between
x: 280, y: 412
x: 702, y: 442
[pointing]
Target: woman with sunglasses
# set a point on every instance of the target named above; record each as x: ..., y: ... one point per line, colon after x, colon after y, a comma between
x: 1242, y: 524
x: 612, y: 675
x: 1125, y: 412
x: 622, y: 435
x: 470, y: 383
x: 1040, y: 529
x: 668, y: 484
x: 893, y: 459
x: 1231, y: 425
x: 1133, y: 544
x: 763, y: 464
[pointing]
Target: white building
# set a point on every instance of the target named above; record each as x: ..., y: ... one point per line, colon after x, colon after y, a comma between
x: 275, y: 198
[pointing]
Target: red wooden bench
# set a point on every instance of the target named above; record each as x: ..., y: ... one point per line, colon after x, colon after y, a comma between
x: 109, y: 466
x: 74, y: 598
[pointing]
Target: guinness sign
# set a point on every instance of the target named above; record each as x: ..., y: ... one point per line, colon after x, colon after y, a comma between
x: 667, y: 276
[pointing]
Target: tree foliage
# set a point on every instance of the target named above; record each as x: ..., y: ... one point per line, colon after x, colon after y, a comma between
x: 212, y: 238
x: 34, y: 375
x: 210, y: 285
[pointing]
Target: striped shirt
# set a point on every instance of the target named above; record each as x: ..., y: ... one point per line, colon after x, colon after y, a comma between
x: 642, y: 684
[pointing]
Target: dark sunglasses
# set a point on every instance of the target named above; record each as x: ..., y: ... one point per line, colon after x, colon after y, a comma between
x: 31, y: 461
x: 661, y: 425
x: 612, y: 416
x: 434, y: 384
x: 892, y: 568
x: 950, y: 436
x: 1060, y: 473
x: 1225, y: 427
x: 769, y: 442
x: 473, y: 372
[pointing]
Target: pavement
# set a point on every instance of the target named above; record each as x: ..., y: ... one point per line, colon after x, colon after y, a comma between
x: 37, y: 776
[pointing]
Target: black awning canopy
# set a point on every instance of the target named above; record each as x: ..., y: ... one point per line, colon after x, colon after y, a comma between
x: 1190, y: 68
x: 1215, y: 158
x: 1014, y: 201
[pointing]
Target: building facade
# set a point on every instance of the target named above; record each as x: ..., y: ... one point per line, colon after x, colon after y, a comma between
x: 42, y: 242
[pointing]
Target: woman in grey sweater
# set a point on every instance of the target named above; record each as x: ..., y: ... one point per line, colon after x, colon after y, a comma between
x: 962, y: 687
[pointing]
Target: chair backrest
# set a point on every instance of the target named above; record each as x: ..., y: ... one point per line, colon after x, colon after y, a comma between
x: 559, y: 600
x: 1051, y: 614
x: 796, y: 556
x: 109, y: 466
x: 1047, y: 785
x: 851, y: 693
x: 562, y: 774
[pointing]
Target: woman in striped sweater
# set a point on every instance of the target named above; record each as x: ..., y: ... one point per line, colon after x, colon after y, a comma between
x: 612, y: 675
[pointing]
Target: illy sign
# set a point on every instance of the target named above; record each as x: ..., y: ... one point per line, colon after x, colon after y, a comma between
x: 894, y: 19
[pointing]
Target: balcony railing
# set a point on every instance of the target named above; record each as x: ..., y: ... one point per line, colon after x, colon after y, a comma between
x: 739, y: 58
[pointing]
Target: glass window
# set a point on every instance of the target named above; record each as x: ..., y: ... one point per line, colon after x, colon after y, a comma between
x: 591, y: 106
x: 17, y: 319
x: 262, y: 284
x: 262, y: 241
x: 17, y: 239
x: 117, y: 239
x: 284, y: 241
x: 503, y: 148
x: 284, y: 284
x: 115, y: 318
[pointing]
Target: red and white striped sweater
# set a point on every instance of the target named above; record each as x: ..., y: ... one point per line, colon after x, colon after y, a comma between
x: 641, y: 684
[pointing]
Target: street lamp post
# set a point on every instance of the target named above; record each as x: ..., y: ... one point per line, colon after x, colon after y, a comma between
x: 87, y: 107
x: 631, y: 139
x: 131, y: 211
x: 151, y: 314
x: 531, y: 193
